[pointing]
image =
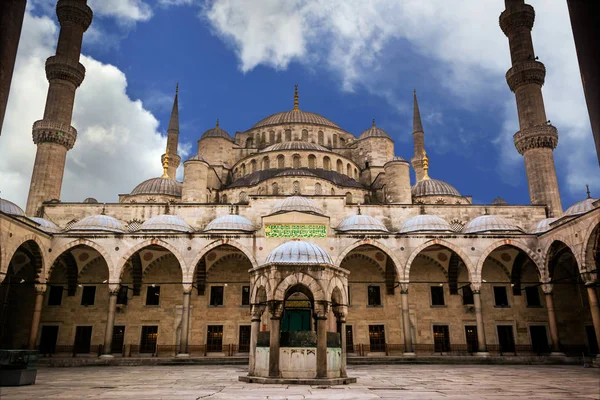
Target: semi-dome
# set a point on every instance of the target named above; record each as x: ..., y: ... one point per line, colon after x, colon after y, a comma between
x: 162, y: 186
x: 361, y: 223
x: 298, y: 252
x: 90, y: 200
x: 45, y: 225
x: 425, y: 223
x: 581, y: 207
x: 543, y: 225
x: 217, y: 132
x: 434, y: 187
x: 490, y: 223
x: 99, y: 223
x: 230, y: 222
x: 8, y: 207
x: 295, y: 145
x: 296, y: 203
x: 295, y: 117
x: 374, y: 131
x: 166, y: 223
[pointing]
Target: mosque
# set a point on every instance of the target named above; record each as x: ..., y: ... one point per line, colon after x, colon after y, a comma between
x: 298, y: 244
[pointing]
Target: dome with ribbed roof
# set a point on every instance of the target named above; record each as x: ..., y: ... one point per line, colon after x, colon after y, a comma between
x: 296, y: 203
x: 298, y: 252
x: 166, y: 223
x: 361, y: 223
x: 99, y: 223
x: 490, y: 223
x: 163, y: 186
x: 425, y: 223
x: 45, y: 225
x: 195, y: 157
x: 499, y: 201
x: 295, y: 117
x: 295, y: 145
x: 434, y: 187
x: 581, y: 207
x: 90, y: 200
x: 230, y: 222
x: 8, y: 207
x: 217, y: 132
x: 543, y: 225
x: 374, y: 131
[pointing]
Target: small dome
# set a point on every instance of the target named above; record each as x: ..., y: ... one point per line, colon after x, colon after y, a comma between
x: 374, y: 131
x: 295, y: 117
x: 295, y: 145
x: 434, y: 187
x: 217, y: 132
x: 90, y: 200
x: 230, y: 222
x: 164, y: 186
x: 99, y: 223
x: 196, y: 157
x: 426, y: 222
x: 543, y: 225
x: 166, y: 223
x: 361, y: 223
x: 581, y: 207
x: 298, y: 252
x: 8, y: 207
x: 499, y: 201
x: 45, y: 225
x: 490, y: 223
x: 296, y: 203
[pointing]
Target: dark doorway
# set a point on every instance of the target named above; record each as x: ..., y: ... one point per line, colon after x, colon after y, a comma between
x: 441, y: 338
x: 472, y: 342
x: 214, y: 339
x: 592, y: 341
x: 297, y: 310
x: 244, y: 339
x: 48, y: 339
x: 506, y: 339
x: 117, y: 339
x: 148, y: 339
x: 377, y: 337
x: 349, y: 339
x: 539, y: 339
x: 296, y: 320
x: 83, y: 339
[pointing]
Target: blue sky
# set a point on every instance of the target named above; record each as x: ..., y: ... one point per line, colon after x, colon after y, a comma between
x: 354, y: 61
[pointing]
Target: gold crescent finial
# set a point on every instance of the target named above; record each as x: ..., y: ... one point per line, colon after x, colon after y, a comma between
x: 217, y: 122
x: 296, y: 102
x: 165, y: 164
x: 425, y: 166
x: 373, y: 124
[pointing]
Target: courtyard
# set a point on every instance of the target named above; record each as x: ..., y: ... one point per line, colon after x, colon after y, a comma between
x: 374, y: 382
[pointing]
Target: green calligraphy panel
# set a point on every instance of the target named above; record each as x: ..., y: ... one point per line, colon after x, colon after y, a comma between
x: 295, y: 231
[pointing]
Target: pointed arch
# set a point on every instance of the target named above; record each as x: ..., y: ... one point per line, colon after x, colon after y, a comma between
x: 299, y: 279
x: 189, y: 275
x: 12, y: 250
x: 590, y: 251
x: 516, y: 244
x: 75, y: 243
x: 464, y: 258
x: 336, y: 283
x: 262, y: 283
x: 146, y: 243
x: 388, y: 252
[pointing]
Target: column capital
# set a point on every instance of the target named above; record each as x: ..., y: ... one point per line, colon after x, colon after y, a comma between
x: 188, y: 287
x: 403, y: 287
x: 40, y: 288
x: 114, y: 289
x: 257, y: 311
x: 341, y: 312
x: 275, y: 309
x: 476, y: 287
x: 589, y: 278
x: 547, y: 288
x: 321, y: 309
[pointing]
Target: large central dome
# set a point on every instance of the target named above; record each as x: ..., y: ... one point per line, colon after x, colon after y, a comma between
x: 295, y: 117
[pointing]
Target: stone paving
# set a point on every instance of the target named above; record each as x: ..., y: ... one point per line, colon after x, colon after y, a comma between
x: 374, y: 382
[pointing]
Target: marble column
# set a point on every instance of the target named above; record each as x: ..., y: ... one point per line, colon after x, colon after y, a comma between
x: 481, y: 345
x: 185, y: 323
x: 37, y: 314
x: 321, y: 315
x: 595, y: 310
x: 341, y: 321
x: 275, y: 310
x: 254, y: 329
x: 110, y: 322
x: 552, y: 321
x: 408, y: 344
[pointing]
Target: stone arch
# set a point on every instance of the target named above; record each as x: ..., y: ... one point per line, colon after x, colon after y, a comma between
x: 296, y: 161
x: 436, y: 263
x: 156, y: 262
x: 281, y: 161
x: 465, y: 259
x: 12, y: 250
x: 75, y: 243
x: 326, y: 163
x: 90, y: 265
x: 262, y: 283
x: 312, y: 161
x: 388, y: 252
x: 192, y: 266
x: 516, y: 244
x: 591, y: 244
x: 266, y: 163
x: 299, y: 279
x: 336, y: 283
x: 552, y: 257
x: 339, y: 166
x: 150, y: 242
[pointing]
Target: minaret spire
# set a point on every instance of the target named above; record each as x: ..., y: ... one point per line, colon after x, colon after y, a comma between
x: 296, y: 102
x: 418, y: 140
x: 174, y: 121
x: 173, y: 160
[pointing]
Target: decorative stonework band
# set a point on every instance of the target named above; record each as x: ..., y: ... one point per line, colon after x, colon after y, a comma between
x: 73, y: 11
x: 536, y: 137
x: 524, y: 73
x: 511, y: 20
x: 58, y: 67
x: 57, y: 132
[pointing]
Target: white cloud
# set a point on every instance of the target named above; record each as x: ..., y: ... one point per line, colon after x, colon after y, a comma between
x: 459, y: 42
x: 118, y: 144
x: 126, y: 11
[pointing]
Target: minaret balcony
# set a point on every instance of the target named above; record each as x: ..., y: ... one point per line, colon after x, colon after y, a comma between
x: 511, y: 20
x: 74, y: 11
x: 56, y: 132
x: 60, y: 68
x: 524, y: 73
x: 538, y: 136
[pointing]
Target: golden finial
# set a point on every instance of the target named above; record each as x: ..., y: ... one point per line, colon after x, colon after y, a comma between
x: 165, y: 164
x: 296, y: 98
x: 373, y: 123
x: 217, y: 122
x: 425, y: 166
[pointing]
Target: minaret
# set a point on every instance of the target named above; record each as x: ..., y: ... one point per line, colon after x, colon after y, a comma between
x: 419, y: 141
x: 536, y: 138
x: 54, y: 135
x: 173, y: 138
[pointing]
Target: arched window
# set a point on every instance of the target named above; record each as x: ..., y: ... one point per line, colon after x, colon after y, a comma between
x: 272, y: 137
x: 249, y: 143
x: 318, y: 190
x: 296, y: 161
x: 243, y: 169
x: 257, y: 140
x: 355, y: 174
x: 312, y: 161
x: 348, y: 198
x: 342, y: 142
x: 304, y: 135
x: 224, y: 199
x: 349, y: 170
x: 296, y: 188
x: 329, y: 142
x: 253, y: 166
x: 278, y: 137
x: 340, y: 166
x: 263, y: 138
x: 321, y: 138
x: 335, y: 142
x: 280, y: 161
x: 288, y: 135
x: 243, y: 198
x: 266, y: 164
x: 332, y: 191
x: 367, y: 199
x: 275, y: 188
x: 326, y: 163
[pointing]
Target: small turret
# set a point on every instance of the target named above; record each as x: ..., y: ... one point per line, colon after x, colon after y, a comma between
x: 195, y: 180
x: 397, y: 181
